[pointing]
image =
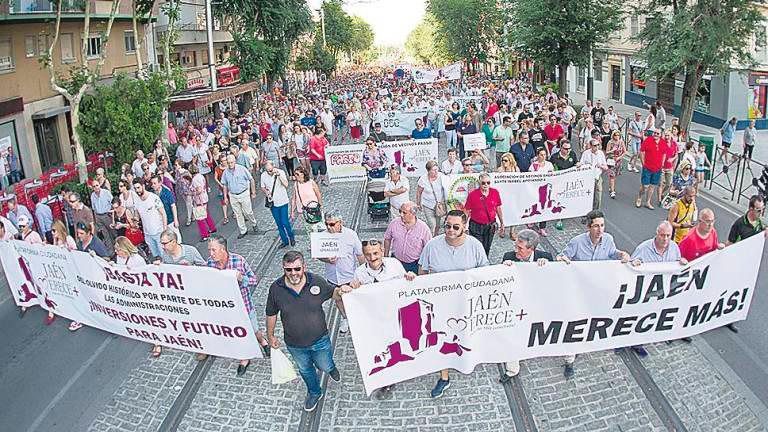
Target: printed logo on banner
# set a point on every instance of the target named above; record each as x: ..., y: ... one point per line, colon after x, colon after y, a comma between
x: 417, y: 337
x: 545, y: 203
x: 457, y: 194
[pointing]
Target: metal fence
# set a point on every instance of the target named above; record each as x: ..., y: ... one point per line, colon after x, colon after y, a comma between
x: 739, y: 176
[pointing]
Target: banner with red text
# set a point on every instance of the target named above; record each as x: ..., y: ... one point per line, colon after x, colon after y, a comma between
x: 345, y: 163
x: 530, y: 197
x: 196, y: 309
x: 457, y: 320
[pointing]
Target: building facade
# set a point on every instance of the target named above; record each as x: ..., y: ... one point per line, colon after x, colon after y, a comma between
x: 35, y: 126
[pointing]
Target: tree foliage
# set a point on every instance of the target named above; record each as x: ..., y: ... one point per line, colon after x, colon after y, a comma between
x: 316, y: 57
x: 697, y: 37
x: 558, y: 33
x: 123, y: 117
x: 264, y: 33
x: 423, y: 45
x: 344, y: 33
x: 466, y: 28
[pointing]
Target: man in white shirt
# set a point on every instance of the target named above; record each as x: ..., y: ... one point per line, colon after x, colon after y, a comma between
x: 595, y: 157
x: 136, y: 165
x: 153, y: 217
x: 326, y: 117
x: 452, y: 165
x: 274, y: 184
x: 396, y: 189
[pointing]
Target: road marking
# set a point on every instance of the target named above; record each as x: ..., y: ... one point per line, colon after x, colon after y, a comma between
x: 39, y: 420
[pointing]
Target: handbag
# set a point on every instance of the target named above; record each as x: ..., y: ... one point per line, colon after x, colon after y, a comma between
x: 440, y: 209
x: 312, y: 213
x: 268, y: 203
x: 200, y: 212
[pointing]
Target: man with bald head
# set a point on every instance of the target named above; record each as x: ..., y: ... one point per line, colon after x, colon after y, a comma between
x: 238, y: 182
x: 406, y: 237
x: 702, y: 239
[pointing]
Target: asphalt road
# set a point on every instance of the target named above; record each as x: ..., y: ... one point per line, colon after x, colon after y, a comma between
x: 55, y: 380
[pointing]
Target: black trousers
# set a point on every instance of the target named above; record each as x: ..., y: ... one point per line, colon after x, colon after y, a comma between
x: 484, y: 233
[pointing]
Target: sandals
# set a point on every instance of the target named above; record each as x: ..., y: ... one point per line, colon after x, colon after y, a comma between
x: 75, y: 326
x: 638, y: 202
x: 157, y: 350
x: 225, y: 221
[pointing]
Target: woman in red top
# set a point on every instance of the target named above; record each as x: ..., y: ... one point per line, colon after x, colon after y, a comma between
x: 317, y: 145
x: 483, y: 205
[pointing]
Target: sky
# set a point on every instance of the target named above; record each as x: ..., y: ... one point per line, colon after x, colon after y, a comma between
x: 391, y: 20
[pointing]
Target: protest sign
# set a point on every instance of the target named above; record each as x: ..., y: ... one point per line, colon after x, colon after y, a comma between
x: 411, y: 155
x: 398, y: 123
x: 344, y: 163
x: 530, y: 197
x: 464, y: 100
x: 457, y: 320
x: 325, y: 244
x: 195, y: 309
x: 475, y: 141
x: 446, y: 73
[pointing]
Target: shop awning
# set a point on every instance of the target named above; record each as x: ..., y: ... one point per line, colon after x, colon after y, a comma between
x: 197, y: 98
x: 50, y: 112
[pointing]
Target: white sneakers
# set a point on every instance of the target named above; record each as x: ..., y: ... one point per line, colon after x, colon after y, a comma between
x: 344, y: 326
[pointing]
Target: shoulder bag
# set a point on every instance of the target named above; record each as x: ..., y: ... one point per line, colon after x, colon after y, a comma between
x: 440, y: 208
x: 268, y: 203
x: 312, y: 212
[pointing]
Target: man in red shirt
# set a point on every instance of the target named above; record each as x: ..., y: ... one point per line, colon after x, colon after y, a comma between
x: 553, y: 131
x: 653, y: 152
x: 483, y: 206
x: 702, y: 239
x: 668, y: 169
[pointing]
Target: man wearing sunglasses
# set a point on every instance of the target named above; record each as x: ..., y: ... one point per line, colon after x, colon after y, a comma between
x: 298, y: 296
x: 483, y: 207
x: 452, y: 251
x: 653, y: 153
x: 340, y: 270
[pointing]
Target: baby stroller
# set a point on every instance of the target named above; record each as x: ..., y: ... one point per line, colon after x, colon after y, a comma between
x: 378, y: 204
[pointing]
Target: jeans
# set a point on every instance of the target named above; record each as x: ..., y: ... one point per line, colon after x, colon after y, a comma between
x: 411, y: 267
x: 280, y: 215
x: 153, y: 241
x: 450, y: 138
x: 318, y: 355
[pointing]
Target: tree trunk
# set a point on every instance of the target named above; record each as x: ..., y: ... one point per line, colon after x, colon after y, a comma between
x: 693, y: 76
x: 562, y: 79
x: 74, y: 115
x: 137, y: 41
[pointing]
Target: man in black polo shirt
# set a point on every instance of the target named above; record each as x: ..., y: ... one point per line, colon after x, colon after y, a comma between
x: 537, y: 136
x: 299, y: 296
x: 564, y: 159
x: 745, y: 227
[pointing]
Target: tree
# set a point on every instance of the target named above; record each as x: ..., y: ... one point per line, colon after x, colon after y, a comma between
x: 362, y: 38
x: 558, y: 33
x: 317, y: 58
x: 81, y: 77
x: 422, y: 44
x: 264, y: 33
x: 467, y: 28
x: 338, y: 27
x: 142, y: 9
x: 694, y: 38
x: 125, y: 116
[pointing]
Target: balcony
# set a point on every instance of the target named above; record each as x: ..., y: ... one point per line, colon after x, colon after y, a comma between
x: 43, y: 6
x: 195, y: 33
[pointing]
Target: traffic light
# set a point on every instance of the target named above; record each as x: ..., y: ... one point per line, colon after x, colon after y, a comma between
x: 761, y: 183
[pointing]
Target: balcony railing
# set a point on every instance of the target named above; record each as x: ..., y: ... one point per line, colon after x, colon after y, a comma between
x: 45, y: 6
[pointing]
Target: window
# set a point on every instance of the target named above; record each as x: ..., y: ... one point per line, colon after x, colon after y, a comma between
x: 30, y: 46
x: 581, y: 76
x: 597, y: 70
x: 6, y: 53
x: 760, y: 38
x: 94, y: 47
x: 67, y: 50
x: 703, y: 95
x: 130, y: 41
x: 634, y: 25
x: 637, y: 79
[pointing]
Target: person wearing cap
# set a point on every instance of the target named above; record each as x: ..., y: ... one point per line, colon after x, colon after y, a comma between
x: 25, y: 230
x: 377, y: 134
x: 15, y: 210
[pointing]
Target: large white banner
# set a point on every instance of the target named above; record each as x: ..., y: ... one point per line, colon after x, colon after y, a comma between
x: 398, y: 123
x: 345, y: 163
x: 458, y: 320
x: 446, y: 73
x: 196, y: 309
x: 411, y: 155
x: 530, y: 197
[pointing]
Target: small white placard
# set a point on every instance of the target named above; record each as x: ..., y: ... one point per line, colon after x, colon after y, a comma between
x: 474, y: 141
x: 325, y: 244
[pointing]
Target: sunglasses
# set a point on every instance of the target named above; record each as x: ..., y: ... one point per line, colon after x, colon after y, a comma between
x: 73, y: 201
x: 485, y: 183
x: 331, y: 224
x: 371, y: 242
x: 455, y: 227
x: 292, y: 269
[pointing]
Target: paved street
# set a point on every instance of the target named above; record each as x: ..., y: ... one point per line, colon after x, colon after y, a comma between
x: 57, y: 381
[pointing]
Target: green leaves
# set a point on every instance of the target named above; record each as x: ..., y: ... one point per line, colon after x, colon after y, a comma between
x: 466, y: 28
x: 424, y: 45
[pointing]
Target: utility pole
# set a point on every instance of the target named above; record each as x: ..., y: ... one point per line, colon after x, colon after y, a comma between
x: 322, y: 24
x: 590, y: 78
x: 211, y: 53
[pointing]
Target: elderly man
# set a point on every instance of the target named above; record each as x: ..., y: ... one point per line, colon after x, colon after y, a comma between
x: 406, y: 237
x: 593, y: 245
x: 237, y: 181
x: 483, y: 207
x: 137, y: 163
x: 221, y: 258
x: 185, y: 152
x: 101, y: 203
x: 377, y: 268
x: 682, y: 213
x: 340, y: 270
x: 525, y: 251
x: 15, y: 210
x: 177, y: 253
x: 298, y: 297
x: 81, y: 213
x: 660, y: 248
x: 595, y: 157
x: 465, y: 128
x: 396, y: 189
x: 452, y: 251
